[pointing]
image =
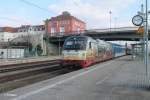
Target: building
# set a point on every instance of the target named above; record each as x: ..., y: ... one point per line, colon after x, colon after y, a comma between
x: 6, y: 50
x: 29, y: 28
x: 32, y: 34
x: 65, y: 24
x: 7, y: 33
x: 8, y: 29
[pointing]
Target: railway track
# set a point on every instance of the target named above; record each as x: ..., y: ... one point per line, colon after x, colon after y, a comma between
x: 18, y: 75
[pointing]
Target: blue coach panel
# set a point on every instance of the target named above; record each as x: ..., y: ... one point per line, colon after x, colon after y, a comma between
x: 118, y: 50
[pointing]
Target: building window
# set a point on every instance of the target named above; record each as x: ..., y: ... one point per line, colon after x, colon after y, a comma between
x: 78, y: 29
x: 53, y: 30
x: 62, y: 29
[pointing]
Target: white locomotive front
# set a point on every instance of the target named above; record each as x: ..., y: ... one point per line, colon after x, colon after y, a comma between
x: 84, y: 51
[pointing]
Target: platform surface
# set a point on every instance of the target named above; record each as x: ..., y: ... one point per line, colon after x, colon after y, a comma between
x: 117, y: 79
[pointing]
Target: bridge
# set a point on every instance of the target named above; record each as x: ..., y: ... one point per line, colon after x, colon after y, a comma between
x: 109, y: 34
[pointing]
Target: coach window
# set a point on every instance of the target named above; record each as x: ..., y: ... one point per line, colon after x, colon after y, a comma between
x: 90, y: 46
x: 2, y: 53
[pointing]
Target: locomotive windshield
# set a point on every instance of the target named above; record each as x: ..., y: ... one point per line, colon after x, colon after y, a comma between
x: 75, y: 43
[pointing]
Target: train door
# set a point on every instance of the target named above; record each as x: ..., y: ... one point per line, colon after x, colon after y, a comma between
x: 100, y: 51
x: 94, y: 49
x: 90, y: 49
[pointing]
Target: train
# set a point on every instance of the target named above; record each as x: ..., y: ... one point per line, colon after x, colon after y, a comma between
x: 84, y: 51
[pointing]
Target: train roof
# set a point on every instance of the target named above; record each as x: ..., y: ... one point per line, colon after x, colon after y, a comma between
x: 78, y: 36
x: 115, y: 44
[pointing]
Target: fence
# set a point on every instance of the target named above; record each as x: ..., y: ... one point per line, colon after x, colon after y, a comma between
x: 12, y: 53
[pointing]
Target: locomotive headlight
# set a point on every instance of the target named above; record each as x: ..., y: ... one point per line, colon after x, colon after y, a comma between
x: 83, y: 54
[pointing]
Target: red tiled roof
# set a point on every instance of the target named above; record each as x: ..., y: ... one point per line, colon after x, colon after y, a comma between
x: 9, y: 29
x: 65, y: 17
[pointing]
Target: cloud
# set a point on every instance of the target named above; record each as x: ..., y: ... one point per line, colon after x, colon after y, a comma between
x: 94, y: 12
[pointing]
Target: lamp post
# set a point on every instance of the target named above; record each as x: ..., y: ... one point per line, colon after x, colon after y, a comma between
x: 59, y: 48
x: 115, y: 24
x: 46, y: 34
x: 110, y: 18
x: 145, y: 17
x: 146, y: 36
x: 7, y: 48
x: 142, y: 19
x: 28, y: 41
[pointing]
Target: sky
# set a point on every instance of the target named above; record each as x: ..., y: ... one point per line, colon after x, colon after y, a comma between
x: 94, y: 12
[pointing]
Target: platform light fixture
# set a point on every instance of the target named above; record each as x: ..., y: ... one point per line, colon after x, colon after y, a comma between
x: 110, y: 13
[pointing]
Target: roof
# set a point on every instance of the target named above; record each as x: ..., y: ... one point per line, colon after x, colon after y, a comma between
x: 27, y: 26
x: 8, y: 29
x: 65, y: 16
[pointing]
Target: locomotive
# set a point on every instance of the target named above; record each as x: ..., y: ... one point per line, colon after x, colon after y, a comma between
x: 84, y: 51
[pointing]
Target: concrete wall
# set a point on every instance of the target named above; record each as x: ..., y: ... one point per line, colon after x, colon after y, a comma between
x: 35, y: 38
x: 7, y: 36
x: 53, y: 49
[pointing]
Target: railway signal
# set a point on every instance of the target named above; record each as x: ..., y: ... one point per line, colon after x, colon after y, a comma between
x: 140, y: 31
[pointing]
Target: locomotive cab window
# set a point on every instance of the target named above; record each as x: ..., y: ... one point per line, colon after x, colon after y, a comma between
x: 69, y: 43
x: 78, y: 43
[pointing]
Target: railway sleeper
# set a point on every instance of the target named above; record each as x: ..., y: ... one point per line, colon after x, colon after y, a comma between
x: 10, y: 76
x: 15, y: 68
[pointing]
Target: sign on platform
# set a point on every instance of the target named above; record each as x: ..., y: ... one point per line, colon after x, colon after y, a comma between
x: 140, y: 30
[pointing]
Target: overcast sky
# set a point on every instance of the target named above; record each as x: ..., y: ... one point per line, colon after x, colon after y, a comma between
x: 94, y: 12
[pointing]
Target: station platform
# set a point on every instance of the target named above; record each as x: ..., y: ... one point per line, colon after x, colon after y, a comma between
x: 27, y: 60
x: 118, y: 79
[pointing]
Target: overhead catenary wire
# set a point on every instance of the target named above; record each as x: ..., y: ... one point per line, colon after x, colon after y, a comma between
x: 13, y: 20
x: 29, y: 3
x: 5, y: 18
x: 35, y: 5
x: 39, y: 7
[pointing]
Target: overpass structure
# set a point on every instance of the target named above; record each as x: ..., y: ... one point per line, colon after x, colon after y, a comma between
x: 123, y: 33
x: 108, y: 34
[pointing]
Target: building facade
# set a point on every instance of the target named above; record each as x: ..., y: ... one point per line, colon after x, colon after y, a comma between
x: 32, y: 34
x: 8, y: 29
x: 29, y: 28
x: 65, y: 24
x: 10, y: 33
